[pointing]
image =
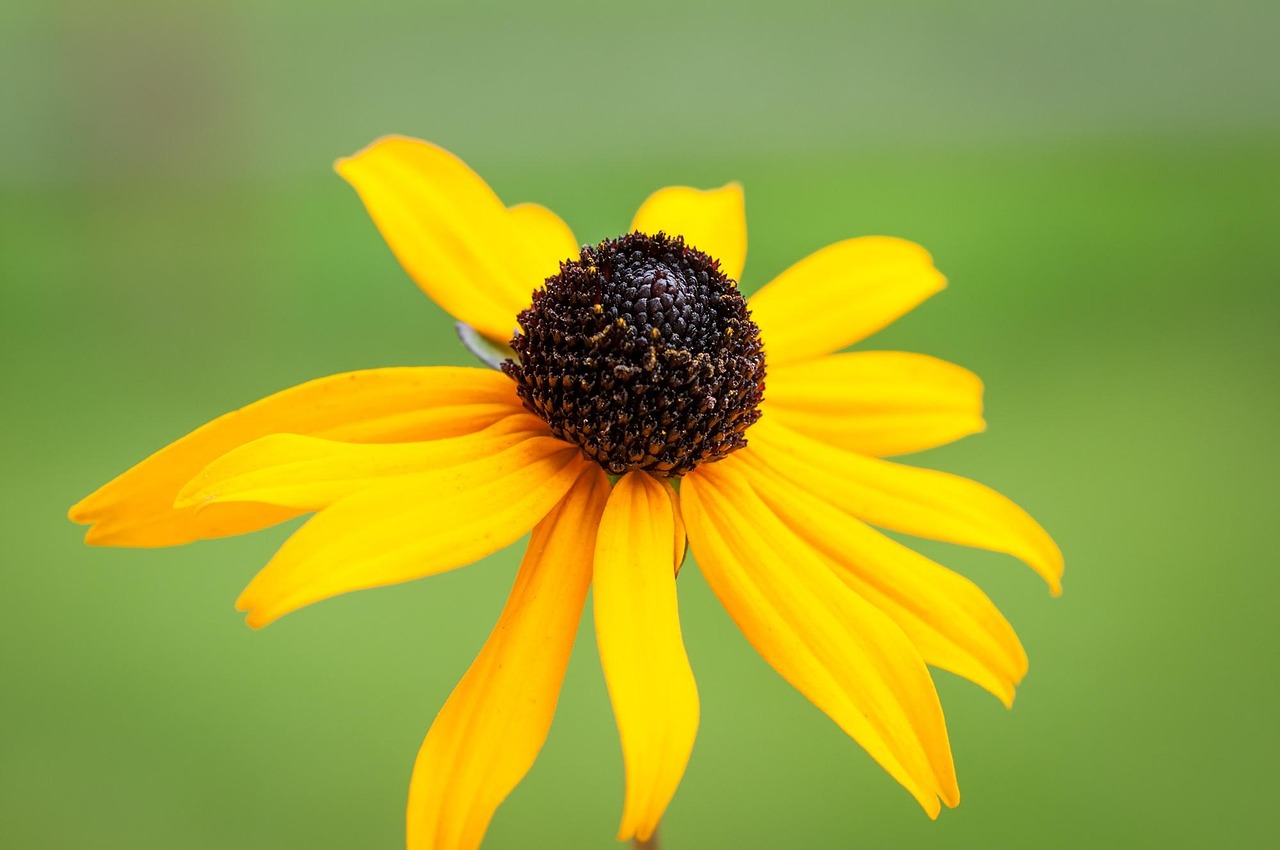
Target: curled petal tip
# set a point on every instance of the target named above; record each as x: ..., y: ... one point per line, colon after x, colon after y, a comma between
x: 78, y: 514
x: 641, y: 834
x: 376, y: 143
x: 1009, y: 691
x: 92, y: 537
x: 258, y: 618
x: 258, y: 613
x: 1054, y: 579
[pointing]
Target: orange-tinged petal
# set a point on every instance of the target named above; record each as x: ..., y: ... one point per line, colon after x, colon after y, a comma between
x: 412, y: 526
x: 840, y: 295
x: 712, y: 220
x: 840, y: 651
x: 877, y: 402
x: 952, y: 623
x: 169, y: 527
x: 476, y: 258
x: 375, y: 405
x: 924, y: 502
x: 490, y: 730
x: 310, y: 473
x: 655, y: 700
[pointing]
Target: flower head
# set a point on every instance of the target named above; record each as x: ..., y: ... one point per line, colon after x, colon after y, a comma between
x: 644, y: 402
x: 643, y: 354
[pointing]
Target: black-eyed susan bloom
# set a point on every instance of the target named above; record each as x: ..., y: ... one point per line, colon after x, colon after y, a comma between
x: 631, y: 412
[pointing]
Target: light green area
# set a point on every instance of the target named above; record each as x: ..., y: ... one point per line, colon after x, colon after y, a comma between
x: 1099, y: 181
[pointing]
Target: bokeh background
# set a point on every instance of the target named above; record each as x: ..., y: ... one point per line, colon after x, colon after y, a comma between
x: 1099, y: 180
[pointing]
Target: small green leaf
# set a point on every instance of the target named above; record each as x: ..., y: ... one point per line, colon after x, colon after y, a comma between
x: 490, y: 353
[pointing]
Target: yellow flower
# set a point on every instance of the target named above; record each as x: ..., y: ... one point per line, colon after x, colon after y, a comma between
x: 631, y: 415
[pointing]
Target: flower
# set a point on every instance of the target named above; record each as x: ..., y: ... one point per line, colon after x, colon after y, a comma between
x: 630, y: 415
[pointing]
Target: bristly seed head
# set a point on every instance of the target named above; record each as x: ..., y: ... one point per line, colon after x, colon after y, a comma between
x: 642, y: 353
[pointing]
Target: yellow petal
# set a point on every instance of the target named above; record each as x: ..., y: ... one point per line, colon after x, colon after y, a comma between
x: 545, y: 229
x: 682, y: 539
x: 655, y: 700
x: 412, y: 526
x: 923, y: 502
x: 713, y: 220
x: 476, y: 258
x: 376, y: 405
x: 309, y: 473
x: 840, y: 295
x: 877, y: 402
x: 952, y: 623
x: 840, y: 651
x: 490, y: 730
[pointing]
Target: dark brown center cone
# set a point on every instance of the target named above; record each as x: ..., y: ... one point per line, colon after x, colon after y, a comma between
x: 644, y: 354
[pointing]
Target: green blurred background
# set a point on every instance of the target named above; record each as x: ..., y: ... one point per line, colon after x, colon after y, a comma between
x: 1099, y: 180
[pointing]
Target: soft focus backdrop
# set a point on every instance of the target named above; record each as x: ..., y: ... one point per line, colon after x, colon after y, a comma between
x: 1099, y: 180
